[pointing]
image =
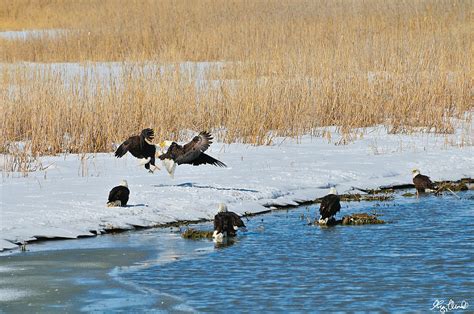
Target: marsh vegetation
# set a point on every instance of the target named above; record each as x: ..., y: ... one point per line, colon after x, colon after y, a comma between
x: 248, y: 70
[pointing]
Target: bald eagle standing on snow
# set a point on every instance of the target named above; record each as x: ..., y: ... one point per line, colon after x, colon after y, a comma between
x: 226, y: 223
x: 141, y: 147
x: 118, y: 196
x: 422, y: 183
x: 191, y: 153
x: 330, y: 205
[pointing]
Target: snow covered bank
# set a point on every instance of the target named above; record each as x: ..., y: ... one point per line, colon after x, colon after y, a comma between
x: 68, y: 199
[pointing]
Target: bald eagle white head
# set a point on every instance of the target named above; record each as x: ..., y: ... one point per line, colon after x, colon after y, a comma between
x: 222, y: 208
x: 124, y: 183
x: 332, y: 190
x: 415, y: 172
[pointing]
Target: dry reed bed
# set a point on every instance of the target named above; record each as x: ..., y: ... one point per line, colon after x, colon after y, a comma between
x: 88, y: 114
x: 288, y: 67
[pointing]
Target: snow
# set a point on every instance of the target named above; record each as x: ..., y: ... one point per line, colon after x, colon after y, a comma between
x: 32, y: 34
x: 85, y: 76
x: 68, y: 199
x: 112, y: 72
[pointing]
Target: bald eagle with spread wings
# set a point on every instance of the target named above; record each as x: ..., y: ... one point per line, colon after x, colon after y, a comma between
x: 141, y: 147
x: 191, y: 153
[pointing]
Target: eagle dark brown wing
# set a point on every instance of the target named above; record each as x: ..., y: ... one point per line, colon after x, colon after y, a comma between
x: 123, y: 148
x: 225, y: 222
x: 137, y: 146
x: 236, y: 220
x: 201, y: 142
x: 219, y: 223
x: 149, y: 134
x: 173, y: 152
x: 119, y: 193
x: 330, y: 205
x: 206, y: 159
x: 192, y: 152
x: 422, y: 183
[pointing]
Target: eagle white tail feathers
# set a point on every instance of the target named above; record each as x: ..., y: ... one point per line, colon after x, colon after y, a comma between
x: 218, y: 237
x: 170, y: 166
x: 144, y: 161
x: 116, y: 203
x: 323, y: 221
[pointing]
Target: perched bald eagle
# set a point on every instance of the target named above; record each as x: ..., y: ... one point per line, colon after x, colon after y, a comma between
x: 422, y: 183
x: 330, y: 205
x: 191, y: 153
x: 140, y: 146
x: 226, y: 223
x: 118, y: 196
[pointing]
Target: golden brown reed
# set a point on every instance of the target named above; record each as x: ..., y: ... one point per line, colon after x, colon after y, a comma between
x: 284, y: 68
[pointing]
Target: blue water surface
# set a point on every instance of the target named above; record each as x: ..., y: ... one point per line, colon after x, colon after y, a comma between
x: 424, y: 253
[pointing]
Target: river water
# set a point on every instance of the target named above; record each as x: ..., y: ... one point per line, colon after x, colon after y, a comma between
x: 423, y: 254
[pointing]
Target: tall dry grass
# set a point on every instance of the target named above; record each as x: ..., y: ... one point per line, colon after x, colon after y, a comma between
x: 285, y: 68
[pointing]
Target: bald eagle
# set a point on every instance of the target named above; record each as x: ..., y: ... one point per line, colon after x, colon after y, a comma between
x: 140, y: 146
x: 226, y: 223
x: 330, y: 205
x: 422, y: 183
x: 191, y: 153
x: 118, y: 196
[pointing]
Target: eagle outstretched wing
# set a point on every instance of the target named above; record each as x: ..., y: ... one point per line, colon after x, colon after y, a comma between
x: 122, y: 149
x: 201, y: 142
x: 236, y: 220
x: 206, y: 159
x: 192, y: 152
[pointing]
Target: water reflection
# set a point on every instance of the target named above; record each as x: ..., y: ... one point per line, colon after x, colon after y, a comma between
x: 226, y: 242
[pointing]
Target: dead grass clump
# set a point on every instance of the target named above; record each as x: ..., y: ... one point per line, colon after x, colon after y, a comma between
x: 353, y: 219
x: 361, y: 219
x: 196, y: 234
x: 18, y: 158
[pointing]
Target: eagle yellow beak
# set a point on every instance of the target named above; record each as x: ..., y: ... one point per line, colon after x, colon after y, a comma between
x: 164, y: 144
